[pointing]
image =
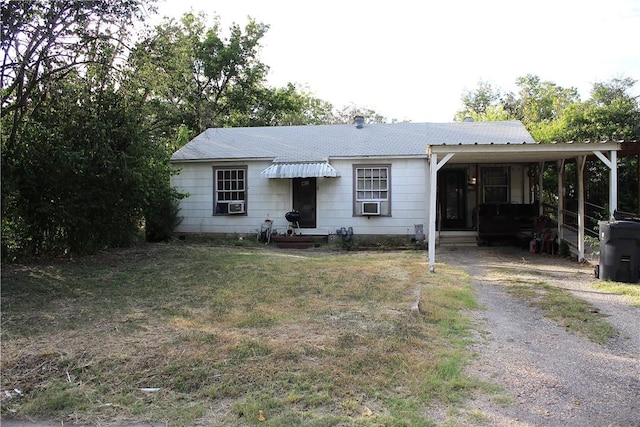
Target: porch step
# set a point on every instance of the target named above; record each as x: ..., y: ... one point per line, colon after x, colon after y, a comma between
x: 458, y: 239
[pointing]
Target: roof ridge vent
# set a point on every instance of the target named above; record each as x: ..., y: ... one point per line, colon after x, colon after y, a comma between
x: 359, y: 121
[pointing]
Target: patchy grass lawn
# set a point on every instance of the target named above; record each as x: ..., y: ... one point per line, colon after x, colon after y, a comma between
x: 631, y: 291
x: 557, y: 304
x: 187, y: 334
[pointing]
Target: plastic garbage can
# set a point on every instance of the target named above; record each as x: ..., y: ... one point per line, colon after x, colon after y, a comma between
x: 619, y: 251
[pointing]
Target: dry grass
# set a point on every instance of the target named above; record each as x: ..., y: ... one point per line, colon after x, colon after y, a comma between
x: 234, y: 336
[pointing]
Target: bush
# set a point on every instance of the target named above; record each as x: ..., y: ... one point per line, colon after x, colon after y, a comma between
x: 161, y: 219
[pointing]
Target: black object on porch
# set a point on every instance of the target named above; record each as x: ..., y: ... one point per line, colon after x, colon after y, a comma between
x: 293, y: 239
x: 506, y: 221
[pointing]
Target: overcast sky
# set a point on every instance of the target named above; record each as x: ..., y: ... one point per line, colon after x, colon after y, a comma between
x: 412, y: 60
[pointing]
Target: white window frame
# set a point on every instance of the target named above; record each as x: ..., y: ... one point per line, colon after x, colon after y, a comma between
x: 229, y: 186
x: 372, y: 183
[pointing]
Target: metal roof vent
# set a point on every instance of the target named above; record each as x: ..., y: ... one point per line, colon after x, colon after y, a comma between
x: 359, y: 121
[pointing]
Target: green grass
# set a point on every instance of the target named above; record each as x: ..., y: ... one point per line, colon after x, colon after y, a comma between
x: 631, y: 291
x: 226, y: 334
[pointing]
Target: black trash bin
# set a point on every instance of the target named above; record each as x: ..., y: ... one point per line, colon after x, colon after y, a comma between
x: 619, y: 251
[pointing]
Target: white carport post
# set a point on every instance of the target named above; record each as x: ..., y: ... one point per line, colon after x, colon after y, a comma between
x: 561, y: 194
x: 613, y: 184
x: 580, y: 162
x: 434, y: 167
x: 612, y: 164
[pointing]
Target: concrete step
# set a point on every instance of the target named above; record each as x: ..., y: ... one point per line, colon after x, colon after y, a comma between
x: 458, y: 239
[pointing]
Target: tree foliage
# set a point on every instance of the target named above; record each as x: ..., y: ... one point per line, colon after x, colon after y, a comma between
x: 43, y: 41
x: 90, y: 117
x: 482, y: 104
x: 78, y: 171
x: 194, y: 77
x: 611, y: 113
x: 539, y: 101
x: 553, y: 113
x: 80, y: 181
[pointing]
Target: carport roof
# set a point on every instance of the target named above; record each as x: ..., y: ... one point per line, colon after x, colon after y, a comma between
x: 520, y: 153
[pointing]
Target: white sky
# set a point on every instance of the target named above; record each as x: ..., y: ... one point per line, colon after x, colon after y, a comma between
x: 412, y: 60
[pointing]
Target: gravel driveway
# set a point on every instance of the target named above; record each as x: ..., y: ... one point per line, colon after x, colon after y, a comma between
x: 550, y: 376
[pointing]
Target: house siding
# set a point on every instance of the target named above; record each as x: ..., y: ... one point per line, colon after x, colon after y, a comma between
x: 272, y: 198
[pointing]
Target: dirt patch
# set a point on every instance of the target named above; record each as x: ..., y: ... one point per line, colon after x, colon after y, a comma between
x: 549, y: 375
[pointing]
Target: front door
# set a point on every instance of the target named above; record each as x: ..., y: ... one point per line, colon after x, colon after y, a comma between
x: 304, y: 201
x: 452, y: 194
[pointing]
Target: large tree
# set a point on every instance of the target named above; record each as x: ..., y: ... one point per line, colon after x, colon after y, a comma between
x: 78, y: 173
x: 553, y: 113
x: 194, y: 77
x: 538, y: 100
x: 482, y: 104
x: 90, y: 117
x: 43, y: 41
x: 611, y: 113
x: 538, y: 104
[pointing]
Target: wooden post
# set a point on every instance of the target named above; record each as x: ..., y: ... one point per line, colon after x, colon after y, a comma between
x: 541, y: 189
x: 561, y: 191
x: 433, y: 169
x: 613, y: 183
x: 580, y: 162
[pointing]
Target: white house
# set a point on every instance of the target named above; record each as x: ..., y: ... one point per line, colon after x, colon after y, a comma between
x: 377, y: 179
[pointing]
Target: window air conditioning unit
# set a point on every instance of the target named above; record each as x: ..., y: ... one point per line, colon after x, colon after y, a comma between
x: 370, y: 208
x: 236, y: 207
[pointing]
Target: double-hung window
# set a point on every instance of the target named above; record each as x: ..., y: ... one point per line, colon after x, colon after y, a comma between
x: 495, y: 184
x: 230, y: 191
x: 372, y: 190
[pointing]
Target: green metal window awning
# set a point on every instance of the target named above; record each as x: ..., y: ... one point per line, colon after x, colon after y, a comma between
x: 300, y: 170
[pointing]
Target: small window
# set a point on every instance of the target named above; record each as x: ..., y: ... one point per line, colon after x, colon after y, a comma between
x: 495, y: 185
x: 372, y: 190
x: 230, y: 196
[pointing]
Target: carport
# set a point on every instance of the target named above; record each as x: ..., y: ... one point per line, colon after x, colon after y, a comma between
x: 531, y: 153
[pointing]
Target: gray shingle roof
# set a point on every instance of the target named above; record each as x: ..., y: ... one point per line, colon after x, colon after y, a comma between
x: 319, y: 143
